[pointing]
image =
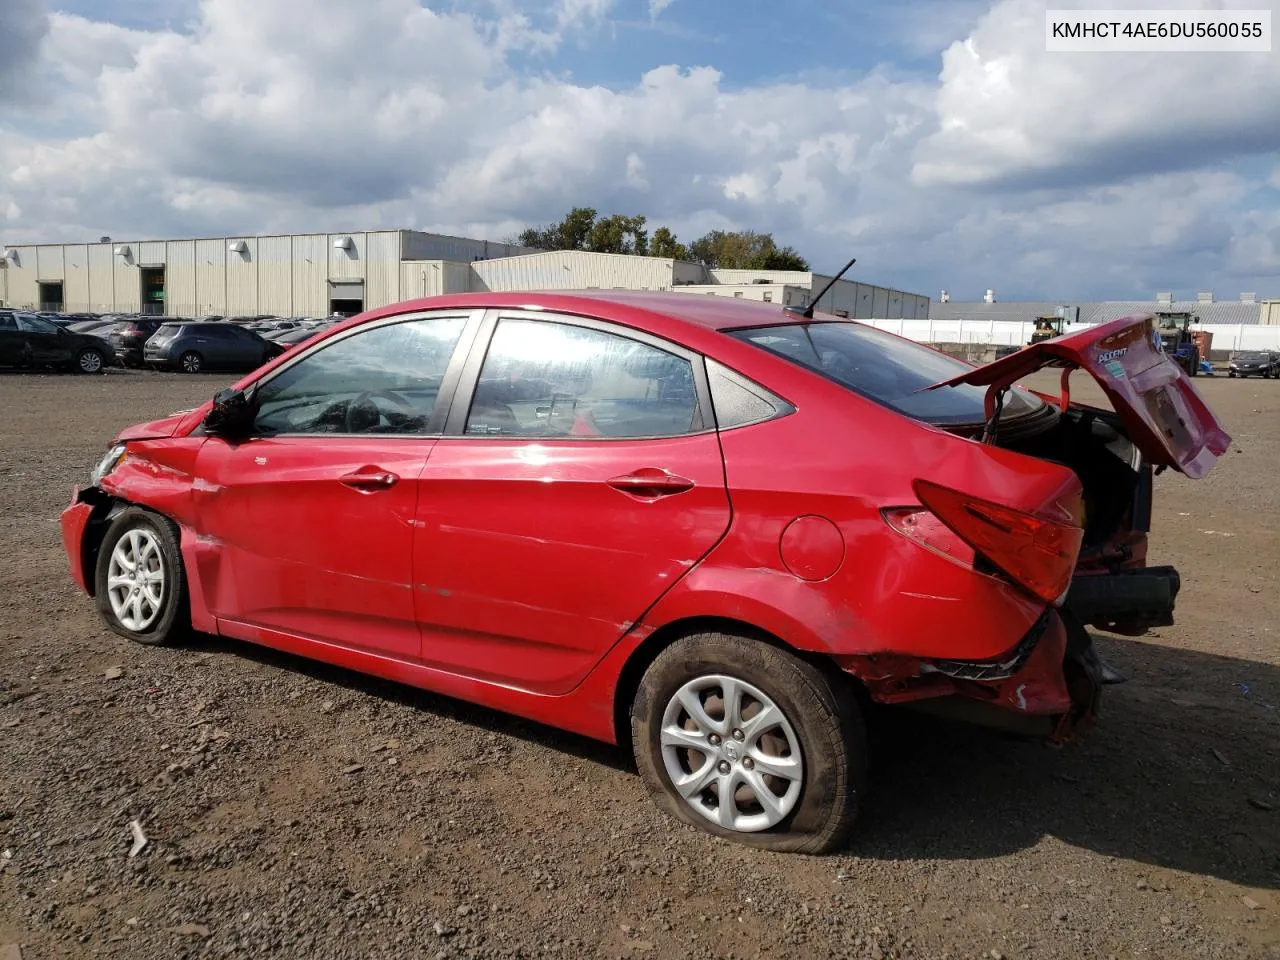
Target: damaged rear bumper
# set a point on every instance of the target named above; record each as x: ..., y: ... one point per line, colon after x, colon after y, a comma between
x: 1049, y: 686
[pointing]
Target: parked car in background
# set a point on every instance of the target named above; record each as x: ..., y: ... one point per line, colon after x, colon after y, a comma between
x: 99, y: 326
x: 32, y: 342
x: 130, y: 337
x: 1254, y: 363
x: 289, y: 338
x: 709, y: 528
x: 197, y: 346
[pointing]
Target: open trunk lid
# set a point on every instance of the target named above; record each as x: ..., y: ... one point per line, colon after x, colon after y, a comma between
x: 1164, y: 415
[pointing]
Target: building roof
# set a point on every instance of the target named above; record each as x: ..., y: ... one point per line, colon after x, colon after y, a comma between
x: 1024, y: 311
x: 1225, y: 311
x: 1017, y: 311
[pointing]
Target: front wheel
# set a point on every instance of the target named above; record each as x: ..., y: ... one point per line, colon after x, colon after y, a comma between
x: 90, y: 360
x: 751, y: 743
x: 141, y: 586
x: 191, y: 362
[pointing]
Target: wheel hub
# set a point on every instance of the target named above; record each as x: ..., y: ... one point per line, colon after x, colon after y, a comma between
x: 731, y: 753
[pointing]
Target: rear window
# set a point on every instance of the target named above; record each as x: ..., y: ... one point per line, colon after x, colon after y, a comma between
x: 887, y: 369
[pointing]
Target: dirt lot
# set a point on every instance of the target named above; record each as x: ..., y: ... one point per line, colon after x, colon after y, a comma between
x: 295, y: 810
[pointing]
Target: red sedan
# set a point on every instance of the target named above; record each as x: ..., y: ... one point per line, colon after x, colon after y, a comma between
x: 708, y: 529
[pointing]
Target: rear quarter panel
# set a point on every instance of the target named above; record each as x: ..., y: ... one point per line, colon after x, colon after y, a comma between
x: 844, y: 458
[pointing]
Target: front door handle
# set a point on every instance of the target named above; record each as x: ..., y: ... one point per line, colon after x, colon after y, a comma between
x: 650, y: 483
x: 369, y: 480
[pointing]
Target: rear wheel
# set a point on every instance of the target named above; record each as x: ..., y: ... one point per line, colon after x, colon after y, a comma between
x: 191, y: 362
x: 141, y: 584
x: 751, y: 743
x: 90, y: 360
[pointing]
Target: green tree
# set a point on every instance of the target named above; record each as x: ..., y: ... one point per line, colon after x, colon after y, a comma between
x: 619, y: 234
x: 571, y: 233
x: 745, y: 250
x: 665, y: 244
x: 583, y: 229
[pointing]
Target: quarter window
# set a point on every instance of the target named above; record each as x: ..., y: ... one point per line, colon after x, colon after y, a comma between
x: 384, y: 380
x: 547, y: 379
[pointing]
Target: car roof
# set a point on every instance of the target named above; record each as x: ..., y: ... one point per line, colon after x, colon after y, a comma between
x: 708, y: 312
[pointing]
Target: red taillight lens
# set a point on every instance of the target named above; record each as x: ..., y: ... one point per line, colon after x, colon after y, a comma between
x: 1039, y: 552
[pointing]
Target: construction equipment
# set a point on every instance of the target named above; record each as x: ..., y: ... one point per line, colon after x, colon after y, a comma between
x: 1177, y: 339
x: 1046, y: 329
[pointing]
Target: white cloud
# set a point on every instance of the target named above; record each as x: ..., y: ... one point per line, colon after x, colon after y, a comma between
x: 657, y: 6
x: 23, y: 25
x: 324, y: 114
x: 1010, y: 113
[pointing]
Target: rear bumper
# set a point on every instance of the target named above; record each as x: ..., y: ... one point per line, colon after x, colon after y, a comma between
x: 1049, y: 685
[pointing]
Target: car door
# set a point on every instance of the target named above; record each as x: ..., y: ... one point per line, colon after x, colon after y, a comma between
x: 313, y: 516
x: 580, y: 477
x: 45, y: 341
x: 12, y: 344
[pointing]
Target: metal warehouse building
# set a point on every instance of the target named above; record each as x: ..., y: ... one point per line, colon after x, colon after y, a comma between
x: 319, y: 274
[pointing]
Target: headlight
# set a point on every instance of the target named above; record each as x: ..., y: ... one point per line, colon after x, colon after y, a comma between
x: 113, y: 459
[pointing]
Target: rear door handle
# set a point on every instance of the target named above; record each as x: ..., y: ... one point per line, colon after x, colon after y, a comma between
x: 369, y: 481
x: 651, y: 483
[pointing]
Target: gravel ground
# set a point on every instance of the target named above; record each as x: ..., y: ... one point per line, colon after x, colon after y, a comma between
x: 295, y: 810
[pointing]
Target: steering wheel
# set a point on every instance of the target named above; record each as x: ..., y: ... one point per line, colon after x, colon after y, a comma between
x: 363, y: 413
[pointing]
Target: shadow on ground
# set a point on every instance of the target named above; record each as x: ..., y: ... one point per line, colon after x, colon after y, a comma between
x: 1182, y: 771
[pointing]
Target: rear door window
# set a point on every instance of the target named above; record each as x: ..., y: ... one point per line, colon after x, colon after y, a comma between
x: 887, y: 369
x: 544, y: 378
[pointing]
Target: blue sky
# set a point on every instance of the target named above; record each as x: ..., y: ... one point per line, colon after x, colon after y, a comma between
x: 934, y: 139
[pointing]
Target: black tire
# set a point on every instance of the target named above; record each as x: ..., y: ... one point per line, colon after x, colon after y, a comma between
x: 191, y: 362
x: 1231, y: 374
x: 823, y: 715
x: 173, y: 622
x: 90, y: 361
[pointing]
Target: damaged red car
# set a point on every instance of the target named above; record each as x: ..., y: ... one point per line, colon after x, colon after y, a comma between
x: 710, y: 530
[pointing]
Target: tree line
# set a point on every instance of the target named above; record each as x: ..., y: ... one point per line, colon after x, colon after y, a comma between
x: 584, y: 229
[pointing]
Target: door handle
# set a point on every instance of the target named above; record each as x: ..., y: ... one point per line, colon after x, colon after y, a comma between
x: 651, y: 483
x: 369, y: 481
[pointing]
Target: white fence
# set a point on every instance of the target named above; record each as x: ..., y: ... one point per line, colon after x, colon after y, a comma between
x: 1226, y: 336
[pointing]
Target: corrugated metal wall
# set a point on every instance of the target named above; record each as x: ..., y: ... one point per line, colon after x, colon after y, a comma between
x: 102, y: 278
x: 23, y: 286
x: 415, y: 245
x: 211, y: 278
x: 574, y: 270
x: 347, y: 264
x: 75, y: 285
x: 422, y: 278
x: 242, y: 278
x: 128, y: 291
x: 458, y: 277
x: 381, y: 269
x: 180, y: 277
x: 310, y: 275
x: 150, y: 253
x: 275, y: 276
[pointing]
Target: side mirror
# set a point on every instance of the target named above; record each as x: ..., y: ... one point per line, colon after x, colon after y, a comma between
x: 231, y: 416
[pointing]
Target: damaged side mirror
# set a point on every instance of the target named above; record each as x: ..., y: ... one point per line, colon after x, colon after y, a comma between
x: 231, y: 416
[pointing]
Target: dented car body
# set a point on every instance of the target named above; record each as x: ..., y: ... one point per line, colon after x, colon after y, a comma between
x: 909, y: 524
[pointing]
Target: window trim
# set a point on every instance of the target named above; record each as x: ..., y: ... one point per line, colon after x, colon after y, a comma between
x: 472, y: 320
x: 781, y: 406
x: 460, y: 406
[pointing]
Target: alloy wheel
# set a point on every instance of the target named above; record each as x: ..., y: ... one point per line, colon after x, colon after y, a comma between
x: 136, y: 580
x: 191, y: 363
x: 731, y: 753
x: 90, y: 361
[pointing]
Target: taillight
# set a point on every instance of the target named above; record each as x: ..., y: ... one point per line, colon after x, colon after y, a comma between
x: 1038, y: 551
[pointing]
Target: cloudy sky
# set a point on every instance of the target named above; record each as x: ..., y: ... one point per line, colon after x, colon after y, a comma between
x: 933, y: 139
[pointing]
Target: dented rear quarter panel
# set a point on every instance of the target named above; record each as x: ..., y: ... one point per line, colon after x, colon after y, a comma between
x: 889, y: 594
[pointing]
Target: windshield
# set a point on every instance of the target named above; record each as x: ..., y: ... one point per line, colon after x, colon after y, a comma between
x: 1252, y: 355
x: 888, y: 369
